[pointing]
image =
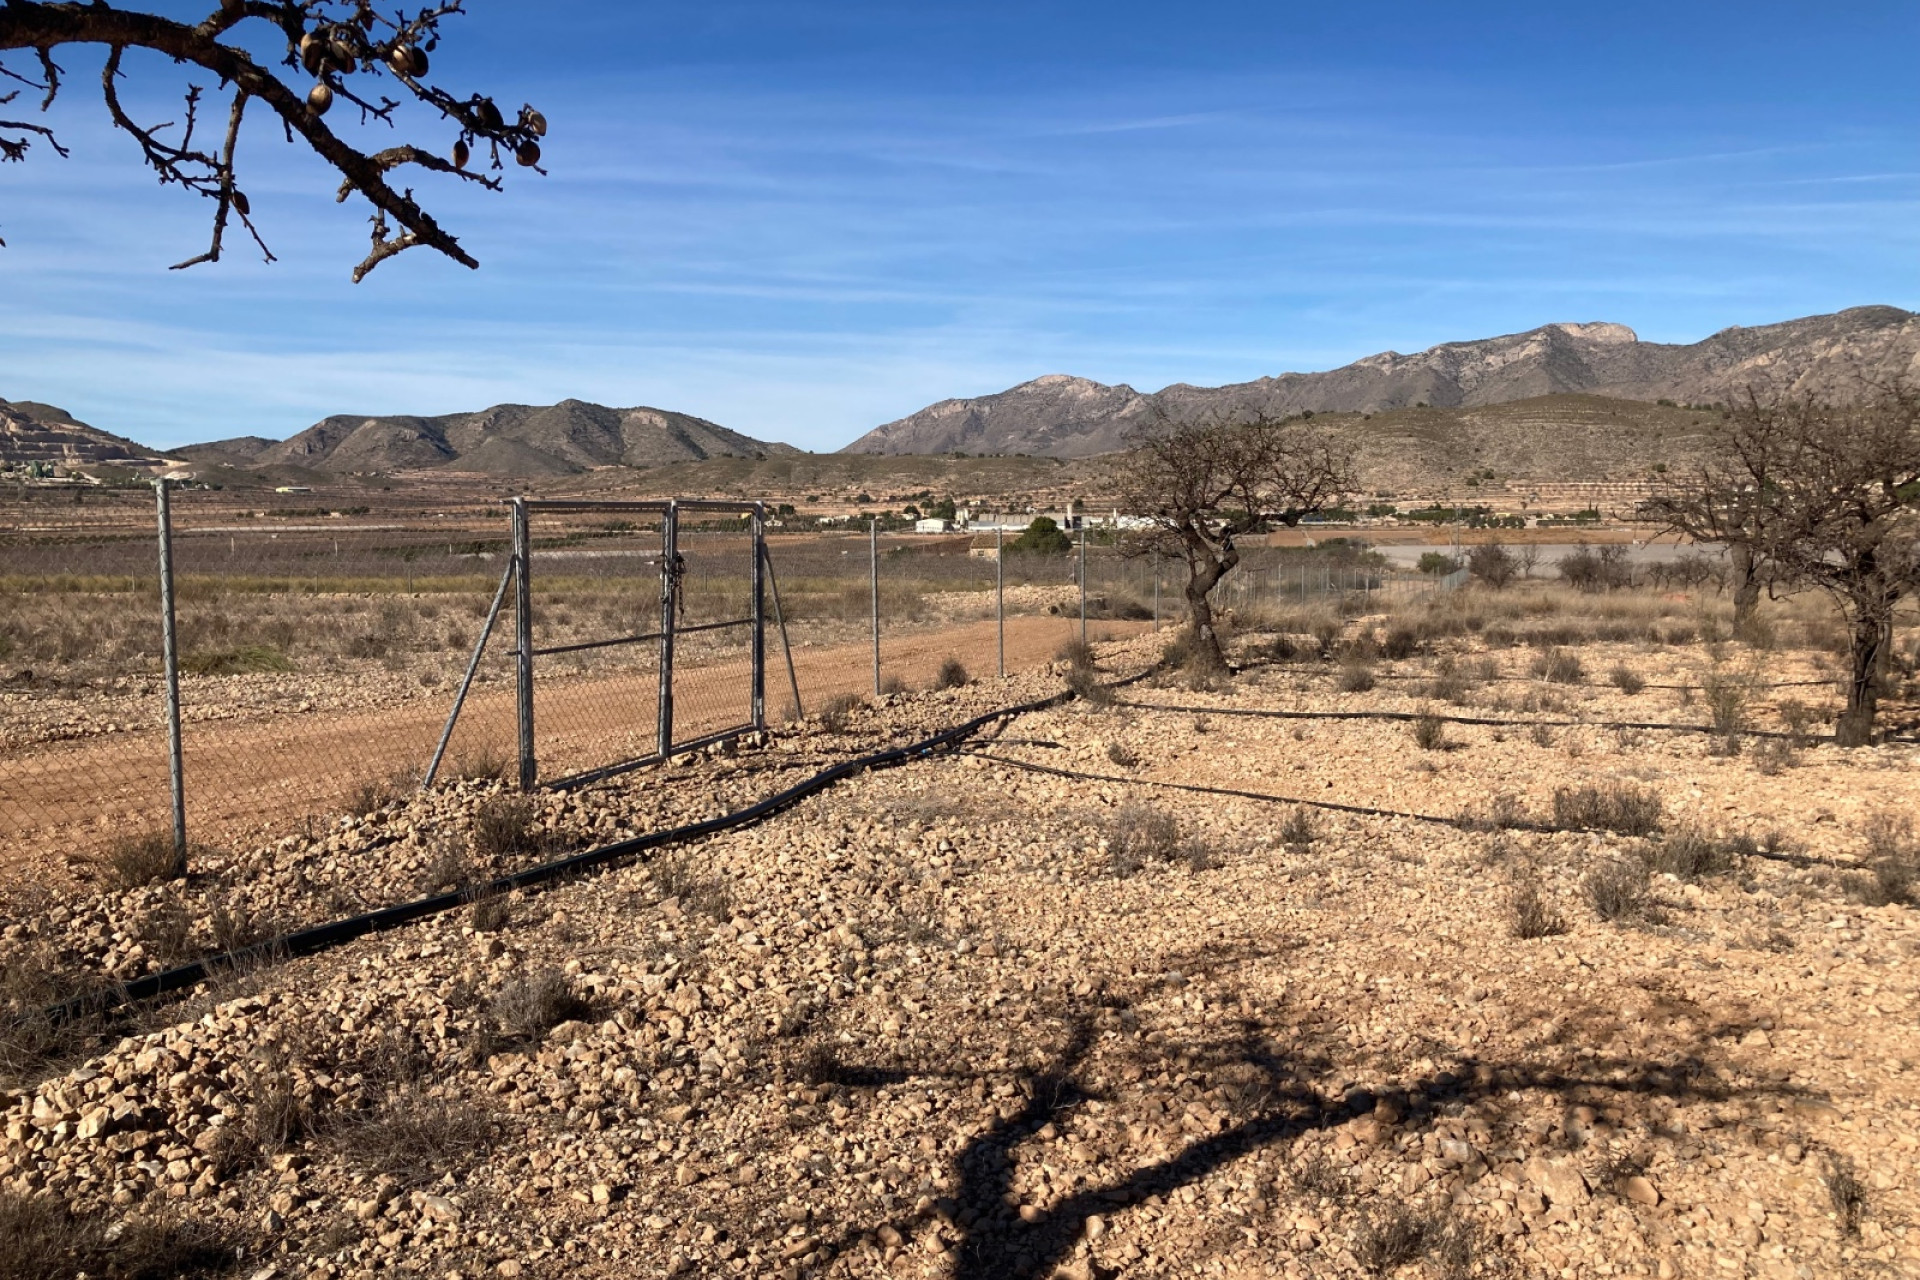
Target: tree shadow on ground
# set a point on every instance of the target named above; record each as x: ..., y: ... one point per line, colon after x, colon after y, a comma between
x: 1280, y: 1102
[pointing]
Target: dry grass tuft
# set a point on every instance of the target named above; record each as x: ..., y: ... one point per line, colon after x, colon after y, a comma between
x: 1616, y: 890
x: 147, y: 858
x: 531, y: 1005
x: 1626, y: 680
x: 1620, y: 807
x: 1558, y: 666
x: 952, y: 675
x: 1356, y: 676
x: 44, y: 1239
x: 1430, y: 732
x: 1139, y: 834
x: 1530, y: 914
x: 1299, y: 830
x: 506, y: 824
x: 835, y: 712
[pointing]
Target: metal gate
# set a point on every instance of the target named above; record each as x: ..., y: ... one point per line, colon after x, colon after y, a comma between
x: 638, y: 633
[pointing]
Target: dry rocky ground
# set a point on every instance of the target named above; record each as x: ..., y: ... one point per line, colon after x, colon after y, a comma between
x: 1093, y: 995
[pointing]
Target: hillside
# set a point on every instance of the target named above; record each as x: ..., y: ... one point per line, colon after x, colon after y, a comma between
x: 507, y: 440
x: 1070, y: 417
x: 32, y: 432
x: 1415, y: 451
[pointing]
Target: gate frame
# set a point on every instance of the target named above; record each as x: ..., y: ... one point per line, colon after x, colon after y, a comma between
x: 672, y: 568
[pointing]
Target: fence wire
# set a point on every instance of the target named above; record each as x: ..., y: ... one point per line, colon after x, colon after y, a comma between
x: 320, y: 651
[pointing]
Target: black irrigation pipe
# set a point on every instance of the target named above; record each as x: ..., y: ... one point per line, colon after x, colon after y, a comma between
x: 1406, y: 716
x: 1334, y: 805
x: 324, y: 937
x: 1584, y: 684
x: 1458, y: 824
x: 339, y: 932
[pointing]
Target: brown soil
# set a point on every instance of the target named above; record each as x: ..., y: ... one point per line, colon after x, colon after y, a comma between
x: 253, y: 778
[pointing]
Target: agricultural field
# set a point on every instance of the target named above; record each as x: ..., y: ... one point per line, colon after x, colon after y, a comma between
x: 1532, y: 932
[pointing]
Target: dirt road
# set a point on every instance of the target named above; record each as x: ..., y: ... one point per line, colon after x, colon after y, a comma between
x: 279, y: 773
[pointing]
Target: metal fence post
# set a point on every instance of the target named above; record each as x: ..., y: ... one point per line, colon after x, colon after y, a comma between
x: 786, y: 645
x: 759, y: 641
x: 873, y: 557
x: 1083, y: 579
x: 170, y: 658
x: 523, y: 640
x: 669, y: 604
x: 1000, y: 593
x: 1156, y: 591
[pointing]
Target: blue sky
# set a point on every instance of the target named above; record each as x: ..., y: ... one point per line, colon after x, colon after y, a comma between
x: 801, y: 219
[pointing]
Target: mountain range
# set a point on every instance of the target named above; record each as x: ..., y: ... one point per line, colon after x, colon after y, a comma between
x: 507, y: 440
x: 1431, y: 403
x: 1067, y: 417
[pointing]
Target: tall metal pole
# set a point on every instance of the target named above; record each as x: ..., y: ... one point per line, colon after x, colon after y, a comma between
x: 170, y: 659
x: 1000, y: 592
x: 669, y: 606
x: 1083, y: 579
x: 1156, y: 591
x: 523, y: 640
x: 873, y: 558
x: 759, y: 522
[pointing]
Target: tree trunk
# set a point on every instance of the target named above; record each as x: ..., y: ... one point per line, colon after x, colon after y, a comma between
x: 1855, y: 726
x: 1204, y: 573
x: 1746, y: 586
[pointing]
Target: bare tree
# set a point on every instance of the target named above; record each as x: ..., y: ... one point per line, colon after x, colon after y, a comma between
x: 1723, y: 502
x: 349, y: 50
x: 1204, y: 485
x: 1825, y: 497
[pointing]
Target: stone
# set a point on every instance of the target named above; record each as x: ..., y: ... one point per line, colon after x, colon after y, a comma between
x: 1641, y: 1190
x: 1559, y: 1181
x: 508, y: 1267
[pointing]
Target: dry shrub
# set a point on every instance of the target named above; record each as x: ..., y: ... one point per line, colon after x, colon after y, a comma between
x: 1727, y: 694
x: 483, y: 764
x: 1356, y: 676
x: 1139, y: 834
x: 1616, y: 890
x: 42, y: 1238
x: 834, y: 714
x: 1392, y: 1236
x: 1626, y: 680
x: 247, y: 659
x: 1299, y: 830
x: 506, y: 824
x: 1893, y: 863
x: 1798, y: 717
x: 490, y: 910
x: 1083, y: 677
x: 1846, y: 1193
x: 698, y: 894
x: 34, y: 1037
x: 1690, y: 854
x: 1121, y: 754
x: 1430, y: 732
x: 1530, y: 914
x: 1401, y: 642
x: 892, y: 686
x: 1453, y: 683
x: 1620, y: 807
x: 952, y: 675
x: 234, y: 925
x: 146, y: 858
x: 530, y: 1005
x: 449, y: 870
x: 1774, y: 756
x: 413, y: 1137
x: 1559, y: 666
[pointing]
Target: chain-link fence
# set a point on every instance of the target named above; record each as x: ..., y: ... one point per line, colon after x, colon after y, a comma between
x: 320, y: 651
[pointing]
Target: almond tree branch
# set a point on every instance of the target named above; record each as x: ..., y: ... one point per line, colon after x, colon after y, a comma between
x: 332, y: 42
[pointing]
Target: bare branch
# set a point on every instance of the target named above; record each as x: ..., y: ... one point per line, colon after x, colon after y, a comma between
x: 335, y: 51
